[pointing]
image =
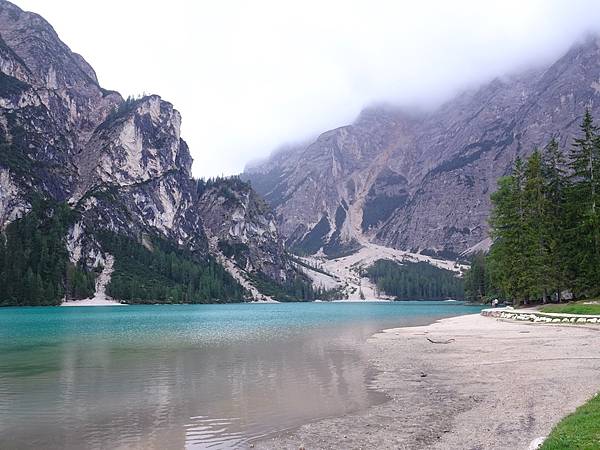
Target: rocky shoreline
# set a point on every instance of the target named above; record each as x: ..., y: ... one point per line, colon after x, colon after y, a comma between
x: 469, y: 382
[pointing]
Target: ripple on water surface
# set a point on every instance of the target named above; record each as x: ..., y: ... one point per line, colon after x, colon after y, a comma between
x: 195, y: 376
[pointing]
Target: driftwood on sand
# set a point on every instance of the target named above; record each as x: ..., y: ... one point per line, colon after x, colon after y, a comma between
x: 441, y: 342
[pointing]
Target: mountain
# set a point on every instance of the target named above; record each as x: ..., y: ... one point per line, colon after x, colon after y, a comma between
x: 421, y: 181
x: 122, y: 171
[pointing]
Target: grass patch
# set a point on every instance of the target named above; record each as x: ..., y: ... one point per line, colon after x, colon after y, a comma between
x: 573, y: 308
x: 577, y: 431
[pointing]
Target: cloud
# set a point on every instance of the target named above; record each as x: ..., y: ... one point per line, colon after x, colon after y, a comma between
x: 251, y: 76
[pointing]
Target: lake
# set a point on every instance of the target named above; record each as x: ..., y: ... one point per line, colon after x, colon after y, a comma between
x: 187, y: 376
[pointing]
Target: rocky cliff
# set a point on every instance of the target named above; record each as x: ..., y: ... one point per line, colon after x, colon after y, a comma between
x: 121, y: 165
x: 421, y: 181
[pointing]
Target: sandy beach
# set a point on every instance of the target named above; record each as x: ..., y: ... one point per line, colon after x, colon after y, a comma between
x: 482, y: 384
x: 94, y: 301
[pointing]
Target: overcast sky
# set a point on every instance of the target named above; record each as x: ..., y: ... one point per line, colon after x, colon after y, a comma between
x: 249, y: 76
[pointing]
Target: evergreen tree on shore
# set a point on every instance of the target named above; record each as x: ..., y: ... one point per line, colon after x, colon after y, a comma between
x: 545, y: 223
x: 34, y: 262
x: 554, y: 219
x: 535, y: 267
x: 414, y: 281
x: 584, y: 208
x: 477, y: 280
x: 507, y: 263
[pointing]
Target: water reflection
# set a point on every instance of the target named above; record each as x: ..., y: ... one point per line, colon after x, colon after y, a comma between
x: 164, y: 383
x: 90, y: 394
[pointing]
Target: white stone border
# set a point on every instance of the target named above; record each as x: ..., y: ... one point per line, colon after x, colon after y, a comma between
x: 540, y: 317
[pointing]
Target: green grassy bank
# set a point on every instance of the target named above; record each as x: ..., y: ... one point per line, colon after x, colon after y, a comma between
x: 582, y: 307
x: 577, y: 431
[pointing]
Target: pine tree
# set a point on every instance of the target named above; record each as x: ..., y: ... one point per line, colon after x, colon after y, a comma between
x: 507, y: 262
x: 533, y: 247
x: 584, y: 208
x: 554, y: 220
x: 477, y: 282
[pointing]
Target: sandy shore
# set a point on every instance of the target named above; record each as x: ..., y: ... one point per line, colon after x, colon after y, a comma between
x: 94, y: 301
x: 496, y: 385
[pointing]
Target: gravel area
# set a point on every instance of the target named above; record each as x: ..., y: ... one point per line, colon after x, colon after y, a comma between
x: 481, y: 384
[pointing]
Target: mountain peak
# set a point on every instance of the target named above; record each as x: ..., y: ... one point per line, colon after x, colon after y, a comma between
x: 124, y: 169
x: 421, y: 182
x: 36, y: 42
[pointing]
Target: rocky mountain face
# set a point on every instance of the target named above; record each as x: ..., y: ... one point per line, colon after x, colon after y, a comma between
x: 241, y: 226
x: 120, y: 164
x: 421, y: 181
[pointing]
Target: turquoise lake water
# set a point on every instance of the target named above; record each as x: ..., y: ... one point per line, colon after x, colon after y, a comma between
x: 187, y: 376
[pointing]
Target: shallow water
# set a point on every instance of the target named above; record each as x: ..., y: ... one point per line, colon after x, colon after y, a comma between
x: 188, y: 376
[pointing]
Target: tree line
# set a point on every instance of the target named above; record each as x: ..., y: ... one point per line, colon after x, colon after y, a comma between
x: 166, y: 274
x: 296, y: 288
x: 545, y: 226
x: 35, y: 268
x: 415, y: 281
x: 34, y: 262
x: 224, y: 183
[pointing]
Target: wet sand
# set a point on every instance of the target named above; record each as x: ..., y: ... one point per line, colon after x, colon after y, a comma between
x: 491, y: 385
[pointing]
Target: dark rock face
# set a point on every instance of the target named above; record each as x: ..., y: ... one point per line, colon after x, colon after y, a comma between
x: 422, y: 182
x: 121, y: 164
x: 242, y: 227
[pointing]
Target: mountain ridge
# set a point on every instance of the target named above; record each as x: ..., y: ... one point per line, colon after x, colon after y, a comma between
x: 122, y: 167
x: 421, y: 182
